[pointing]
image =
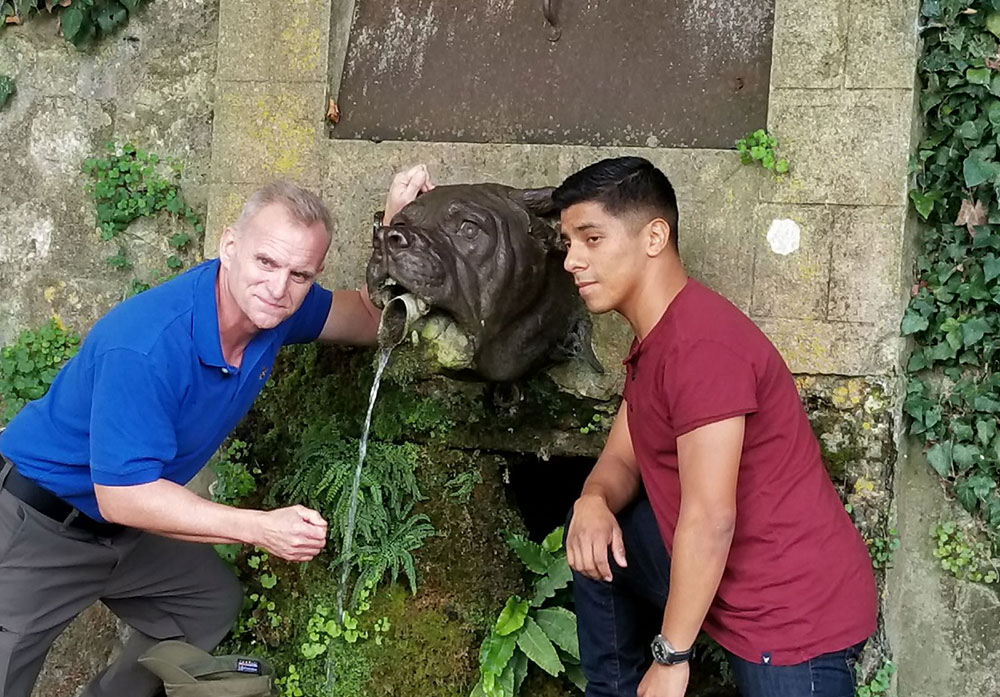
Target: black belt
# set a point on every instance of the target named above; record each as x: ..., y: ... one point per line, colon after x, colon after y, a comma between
x: 48, y: 504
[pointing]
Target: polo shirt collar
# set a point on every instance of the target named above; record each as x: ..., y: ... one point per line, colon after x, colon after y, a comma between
x: 635, y: 351
x: 205, y: 318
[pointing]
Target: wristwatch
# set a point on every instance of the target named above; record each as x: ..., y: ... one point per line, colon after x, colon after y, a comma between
x: 667, y: 655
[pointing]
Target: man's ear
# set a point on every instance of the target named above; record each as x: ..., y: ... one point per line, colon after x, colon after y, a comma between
x: 659, y: 234
x: 227, y: 246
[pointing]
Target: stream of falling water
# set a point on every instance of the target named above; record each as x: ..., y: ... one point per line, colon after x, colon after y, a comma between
x: 348, y: 546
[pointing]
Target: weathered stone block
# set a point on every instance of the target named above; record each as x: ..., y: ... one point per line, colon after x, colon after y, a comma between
x: 838, y: 348
x: 263, y: 130
x: 882, y: 50
x: 225, y: 201
x: 845, y: 147
x: 794, y: 285
x: 865, y: 280
x: 301, y: 31
x: 246, y: 41
x: 924, y: 601
x: 64, y: 132
x: 810, y: 43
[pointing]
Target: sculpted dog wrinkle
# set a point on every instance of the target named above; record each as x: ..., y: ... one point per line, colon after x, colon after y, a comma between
x: 487, y: 257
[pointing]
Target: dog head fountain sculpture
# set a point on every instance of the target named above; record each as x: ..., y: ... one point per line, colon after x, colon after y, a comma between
x: 478, y: 267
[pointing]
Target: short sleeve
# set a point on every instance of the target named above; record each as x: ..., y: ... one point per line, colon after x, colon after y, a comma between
x: 705, y: 382
x: 132, y: 420
x: 307, y: 322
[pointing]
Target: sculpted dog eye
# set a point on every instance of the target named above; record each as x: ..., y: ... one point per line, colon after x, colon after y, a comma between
x: 468, y: 229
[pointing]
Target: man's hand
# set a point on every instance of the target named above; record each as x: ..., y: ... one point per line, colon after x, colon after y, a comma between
x: 295, y: 533
x: 404, y: 188
x: 665, y: 681
x: 592, y: 530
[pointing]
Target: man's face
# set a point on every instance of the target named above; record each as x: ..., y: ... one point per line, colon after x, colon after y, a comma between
x: 604, y: 253
x: 270, y: 263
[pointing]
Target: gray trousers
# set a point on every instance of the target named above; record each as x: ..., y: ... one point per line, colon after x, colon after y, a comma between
x: 163, y: 588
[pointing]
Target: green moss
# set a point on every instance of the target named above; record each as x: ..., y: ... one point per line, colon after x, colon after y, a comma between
x: 426, y: 651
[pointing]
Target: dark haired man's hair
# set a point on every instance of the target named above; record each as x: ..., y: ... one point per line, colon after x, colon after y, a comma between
x: 622, y: 185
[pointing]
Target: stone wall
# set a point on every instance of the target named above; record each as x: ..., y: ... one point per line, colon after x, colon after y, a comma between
x: 238, y: 91
x: 152, y: 84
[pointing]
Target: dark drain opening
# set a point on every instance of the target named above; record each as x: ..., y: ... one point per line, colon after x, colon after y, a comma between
x: 544, y: 491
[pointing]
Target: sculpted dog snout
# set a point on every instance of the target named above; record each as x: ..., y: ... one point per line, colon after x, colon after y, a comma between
x: 389, y: 239
x: 396, y: 239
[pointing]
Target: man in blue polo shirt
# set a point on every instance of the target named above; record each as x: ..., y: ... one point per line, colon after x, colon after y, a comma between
x: 93, y: 504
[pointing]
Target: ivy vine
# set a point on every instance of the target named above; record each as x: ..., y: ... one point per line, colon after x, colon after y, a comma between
x: 7, y: 89
x: 128, y: 184
x: 953, y: 392
x: 80, y: 21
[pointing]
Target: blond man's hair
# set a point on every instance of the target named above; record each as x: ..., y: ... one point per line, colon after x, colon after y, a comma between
x: 302, y: 205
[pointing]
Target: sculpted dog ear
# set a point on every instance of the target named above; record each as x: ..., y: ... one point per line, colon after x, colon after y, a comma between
x: 537, y: 201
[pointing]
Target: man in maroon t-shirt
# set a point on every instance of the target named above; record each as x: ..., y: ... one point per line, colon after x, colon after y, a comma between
x: 739, y: 520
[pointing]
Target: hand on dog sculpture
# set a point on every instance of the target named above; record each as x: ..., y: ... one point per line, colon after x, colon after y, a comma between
x: 487, y: 256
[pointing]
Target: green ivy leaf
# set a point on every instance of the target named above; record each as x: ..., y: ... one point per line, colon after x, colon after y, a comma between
x: 538, y: 648
x: 553, y: 542
x: 939, y: 457
x: 913, y: 323
x: 923, y: 203
x: 993, y: 23
x: 559, y: 576
x: 978, y: 166
x: 495, y: 653
x: 576, y: 676
x: 974, y: 330
x: 559, y: 625
x: 72, y: 22
x: 978, y: 76
x: 512, y: 616
x: 531, y: 554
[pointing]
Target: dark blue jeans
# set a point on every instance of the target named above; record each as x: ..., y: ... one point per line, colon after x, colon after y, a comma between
x: 616, y: 622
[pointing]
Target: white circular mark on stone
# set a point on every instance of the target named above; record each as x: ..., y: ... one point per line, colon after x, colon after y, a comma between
x: 784, y: 236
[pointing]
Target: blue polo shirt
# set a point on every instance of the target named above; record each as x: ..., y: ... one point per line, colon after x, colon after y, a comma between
x: 149, y: 395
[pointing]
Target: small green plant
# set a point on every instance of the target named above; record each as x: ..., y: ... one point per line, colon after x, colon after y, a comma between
x: 81, y: 21
x: 260, y: 619
x: 323, y: 627
x: 290, y: 684
x: 759, y: 147
x: 461, y: 485
x: 30, y: 364
x: 881, y: 549
x: 961, y: 555
x: 235, y: 479
x: 7, y: 89
x: 387, y: 531
x: 129, y: 184
x: 526, y: 631
x: 879, y: 684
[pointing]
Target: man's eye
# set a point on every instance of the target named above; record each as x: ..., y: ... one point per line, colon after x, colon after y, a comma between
x: 593, y: 239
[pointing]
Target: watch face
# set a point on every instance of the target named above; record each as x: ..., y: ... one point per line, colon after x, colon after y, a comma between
x: 660, y: 650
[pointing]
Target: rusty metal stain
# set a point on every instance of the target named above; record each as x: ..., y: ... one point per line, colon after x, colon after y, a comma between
x: 674, y: 73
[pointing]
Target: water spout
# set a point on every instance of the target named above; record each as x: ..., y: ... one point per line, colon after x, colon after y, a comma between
x: 398, y: 317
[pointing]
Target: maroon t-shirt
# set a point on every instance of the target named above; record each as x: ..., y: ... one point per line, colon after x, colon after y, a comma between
x: 798, y: 582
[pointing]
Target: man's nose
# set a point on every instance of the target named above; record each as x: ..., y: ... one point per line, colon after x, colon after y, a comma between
x: 277, y: 284
x: 574, y: 260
